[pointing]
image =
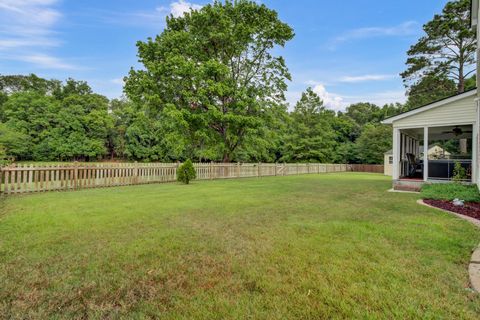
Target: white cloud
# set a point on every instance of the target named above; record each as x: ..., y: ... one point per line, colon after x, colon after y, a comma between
x: 330, y: 100
x: 367, y: 77
x: 27, y: 28
x: 378, y: 98
x: 404, y: 29
x: 46, y: 61
x: 339, y: 102
x: 178, y: 8
x: 118, y: 81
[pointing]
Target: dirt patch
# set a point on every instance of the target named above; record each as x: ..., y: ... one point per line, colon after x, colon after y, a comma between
x: 470, y: 209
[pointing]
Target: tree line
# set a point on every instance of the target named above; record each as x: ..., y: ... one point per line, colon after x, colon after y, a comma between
x: 49, y: 120
x: 212, y: 89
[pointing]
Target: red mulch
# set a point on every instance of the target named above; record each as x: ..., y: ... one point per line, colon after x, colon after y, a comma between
x: 470, y: 209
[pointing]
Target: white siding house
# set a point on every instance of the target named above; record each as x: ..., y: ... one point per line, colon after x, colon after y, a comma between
x: 455, y: 120
x: 452, y: 119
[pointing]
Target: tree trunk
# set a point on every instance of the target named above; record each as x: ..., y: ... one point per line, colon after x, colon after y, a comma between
x: 226, y: 157
x: 461, y: 77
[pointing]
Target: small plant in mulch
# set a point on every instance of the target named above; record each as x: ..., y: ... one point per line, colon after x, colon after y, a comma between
x: 186, y: 172
x: 455, y: 197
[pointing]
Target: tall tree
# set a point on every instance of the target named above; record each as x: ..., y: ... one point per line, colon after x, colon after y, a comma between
x: 217, y: 68
x: 446, y: 50
x: 312, y: 137
x: 374, y: 141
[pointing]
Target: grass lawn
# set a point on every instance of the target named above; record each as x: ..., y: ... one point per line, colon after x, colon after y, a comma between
x: 312, y: 246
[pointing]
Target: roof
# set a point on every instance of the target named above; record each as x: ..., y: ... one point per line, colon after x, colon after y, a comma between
x: 474, y: 13
x: 389, y: 151
x: 431, y: 105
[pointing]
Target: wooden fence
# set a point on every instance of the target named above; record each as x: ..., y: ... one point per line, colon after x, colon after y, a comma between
x: 373, y: 168
x: 16, y: 179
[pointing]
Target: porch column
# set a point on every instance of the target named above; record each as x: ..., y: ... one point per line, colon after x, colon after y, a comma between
x: 475, y: 153
x: 425, y: 153
x: 396, y: 154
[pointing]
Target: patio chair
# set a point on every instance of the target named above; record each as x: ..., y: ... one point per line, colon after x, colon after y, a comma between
x: 414, y: 166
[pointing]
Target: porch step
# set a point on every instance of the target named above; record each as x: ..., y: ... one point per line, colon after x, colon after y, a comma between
x: 408, y: 185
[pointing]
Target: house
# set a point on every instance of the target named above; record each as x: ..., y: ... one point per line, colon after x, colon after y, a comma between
x: 435, y: 151
x: 454, y: 120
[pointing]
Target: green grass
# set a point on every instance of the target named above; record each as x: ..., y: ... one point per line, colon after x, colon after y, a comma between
x: 304, y: 247
x: 450, y: 191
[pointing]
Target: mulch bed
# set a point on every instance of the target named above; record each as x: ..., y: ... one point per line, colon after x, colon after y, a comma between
x: 470, y: 209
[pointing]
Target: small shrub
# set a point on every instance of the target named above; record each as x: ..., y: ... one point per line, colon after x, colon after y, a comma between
x: 186, y: 172
x: 450, y: 191
x: 459, y: 173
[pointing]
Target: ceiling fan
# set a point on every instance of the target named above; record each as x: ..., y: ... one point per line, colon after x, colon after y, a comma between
x: 457, y: 131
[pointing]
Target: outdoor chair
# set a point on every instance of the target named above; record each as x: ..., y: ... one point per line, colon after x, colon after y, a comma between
x: 414, y: 166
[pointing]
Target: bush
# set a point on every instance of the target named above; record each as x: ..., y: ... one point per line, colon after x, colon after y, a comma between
x: 186, y: 172
x: 450, y: 191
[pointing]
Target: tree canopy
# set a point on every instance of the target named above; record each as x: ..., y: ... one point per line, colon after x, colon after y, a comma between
x: 214, y: 68
x: 443, y: 60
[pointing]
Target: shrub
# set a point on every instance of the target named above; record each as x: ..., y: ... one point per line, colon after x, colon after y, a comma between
x: 186, y: 172
x: 459, y: 172
x: 450, y: 191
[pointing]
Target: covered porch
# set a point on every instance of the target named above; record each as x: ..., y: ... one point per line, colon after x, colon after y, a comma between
x: 430, y: 153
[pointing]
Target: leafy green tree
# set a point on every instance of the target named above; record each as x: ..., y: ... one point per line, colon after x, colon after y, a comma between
x: 374, y: 141
x: 186, y: 172
x: 65, y: 127
x: 312, y: 138
x: 217, y: 68
x: 446, y: 50
x: 10, y: 84
x: 13, y: 143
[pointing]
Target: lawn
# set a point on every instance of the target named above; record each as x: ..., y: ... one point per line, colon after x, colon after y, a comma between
x: 312, y: 246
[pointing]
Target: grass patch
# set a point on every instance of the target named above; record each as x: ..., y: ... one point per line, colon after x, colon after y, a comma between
x: 450, y: 191
x: 303, y: 247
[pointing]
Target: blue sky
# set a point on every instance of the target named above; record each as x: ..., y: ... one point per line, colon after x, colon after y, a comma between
x: 349, y: 51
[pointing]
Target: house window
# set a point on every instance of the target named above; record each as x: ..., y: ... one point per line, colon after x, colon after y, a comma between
x: 390, y: 160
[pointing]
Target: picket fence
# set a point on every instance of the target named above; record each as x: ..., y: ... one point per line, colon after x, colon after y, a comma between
x: 22, y: 178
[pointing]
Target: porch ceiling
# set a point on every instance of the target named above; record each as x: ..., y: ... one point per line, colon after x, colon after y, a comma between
x: 439, y: 133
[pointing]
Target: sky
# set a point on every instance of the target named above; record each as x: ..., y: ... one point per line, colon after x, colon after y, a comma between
x: 347, y: 51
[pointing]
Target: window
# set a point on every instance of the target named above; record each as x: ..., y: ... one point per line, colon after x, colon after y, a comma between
x: 390, y: 160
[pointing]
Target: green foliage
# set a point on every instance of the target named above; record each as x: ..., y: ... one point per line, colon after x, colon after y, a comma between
x: 3, y: 155
x: 14, y: 144
x: 216, y: 67
x: 212, y: 89
x: 311, y: 137
x: 446, y: 51
x: 459, y: 173
x: 450, y: 191
x: 71, y: 124
x: 186, y: 172
x: 428, y: 89
x: 374, y: 141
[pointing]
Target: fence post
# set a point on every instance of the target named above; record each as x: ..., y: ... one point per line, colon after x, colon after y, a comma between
x: 258, y: 169
x: 1, y: 180
x: 135, y: 172
x: 211, y: 170
x: 238, y: 169
x: 75, y: 175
